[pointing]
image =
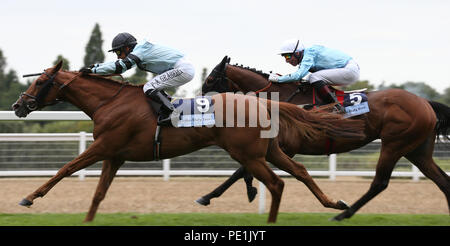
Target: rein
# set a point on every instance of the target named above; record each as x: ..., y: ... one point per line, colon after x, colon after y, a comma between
x: 265, y: 88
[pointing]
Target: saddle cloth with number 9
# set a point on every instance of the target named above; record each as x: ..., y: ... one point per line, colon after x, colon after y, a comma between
x: 194, y: 112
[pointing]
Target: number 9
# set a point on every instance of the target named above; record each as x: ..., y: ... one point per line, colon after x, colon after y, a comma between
x: 203, y: 104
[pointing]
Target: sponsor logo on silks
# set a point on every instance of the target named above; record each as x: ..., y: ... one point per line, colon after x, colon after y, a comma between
x: 355, y: 104
x: 196, y: 111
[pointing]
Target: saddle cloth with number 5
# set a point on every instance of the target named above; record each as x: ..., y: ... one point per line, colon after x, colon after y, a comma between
x: 194, y: 112
x: 354, y: 102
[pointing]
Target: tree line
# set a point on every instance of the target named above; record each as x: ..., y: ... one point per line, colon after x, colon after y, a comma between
x: 11, y: 87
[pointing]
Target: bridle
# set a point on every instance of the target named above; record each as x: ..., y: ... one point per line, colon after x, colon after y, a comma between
x: 37, y: 101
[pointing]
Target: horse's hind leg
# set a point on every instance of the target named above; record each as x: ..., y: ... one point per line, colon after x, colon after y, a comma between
x: 87, y: 158
x: 282, y: 161
x: 386, y: 162
x: 109, y: 170
x: 422, y: 157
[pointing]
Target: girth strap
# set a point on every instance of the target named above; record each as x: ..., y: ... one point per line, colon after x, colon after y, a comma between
x: 329, y: 146
x: 157, y: 144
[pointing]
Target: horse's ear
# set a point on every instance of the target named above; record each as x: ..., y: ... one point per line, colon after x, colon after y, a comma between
x: 228, y: 60
x: 224, y: 60
x: 58, y: 66
x: 222, y: 63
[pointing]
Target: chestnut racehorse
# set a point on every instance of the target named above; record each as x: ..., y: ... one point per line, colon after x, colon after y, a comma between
x: 406, y: 124
x: 125, y: 124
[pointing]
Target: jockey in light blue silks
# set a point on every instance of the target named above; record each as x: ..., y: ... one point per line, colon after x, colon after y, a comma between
x: 327, y: 66
x: 170, y: 65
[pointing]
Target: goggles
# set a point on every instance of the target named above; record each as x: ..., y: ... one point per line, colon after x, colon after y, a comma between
x: 287, y: 56
x: 118, y: 52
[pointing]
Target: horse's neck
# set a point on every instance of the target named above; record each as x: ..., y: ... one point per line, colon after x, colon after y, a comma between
x: 246, y: 81
x: 88, y: 94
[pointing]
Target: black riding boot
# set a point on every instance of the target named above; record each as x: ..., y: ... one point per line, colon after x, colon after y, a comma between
x: 166, y: 106
x: 327, y: 95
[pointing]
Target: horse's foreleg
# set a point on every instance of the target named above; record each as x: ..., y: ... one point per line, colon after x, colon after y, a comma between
x: 109, y: 170
x: 251, y: 191
x: 274, y: 184
x: 239, y: 173
x: 87, y: 158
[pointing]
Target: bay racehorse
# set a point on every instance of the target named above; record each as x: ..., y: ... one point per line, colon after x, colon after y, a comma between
x: 407, y: 125
x: 125, y: 125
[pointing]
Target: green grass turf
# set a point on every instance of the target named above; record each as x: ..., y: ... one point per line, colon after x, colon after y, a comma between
x: 215, y: 219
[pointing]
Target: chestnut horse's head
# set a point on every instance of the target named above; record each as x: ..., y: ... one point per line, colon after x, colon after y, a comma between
x: 42, y: 92
x: 217, y: 80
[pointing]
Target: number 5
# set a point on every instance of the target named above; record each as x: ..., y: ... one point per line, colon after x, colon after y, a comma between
x: 355, y: 98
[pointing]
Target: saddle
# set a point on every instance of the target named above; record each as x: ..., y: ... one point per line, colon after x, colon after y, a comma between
x: 355, y: 102
x: 189, y: 112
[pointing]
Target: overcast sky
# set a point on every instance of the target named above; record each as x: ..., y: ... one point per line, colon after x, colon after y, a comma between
x: 392, y: 40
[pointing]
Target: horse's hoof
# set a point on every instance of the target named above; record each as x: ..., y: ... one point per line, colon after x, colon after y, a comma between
x: 344, y: 215
x: 338, y: 217
x: 202, y: 201
x: 25, y: 203
x: 342, y: 205
x: 251, y: 193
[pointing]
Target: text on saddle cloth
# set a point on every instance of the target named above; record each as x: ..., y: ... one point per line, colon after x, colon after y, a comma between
x: 198, y: 111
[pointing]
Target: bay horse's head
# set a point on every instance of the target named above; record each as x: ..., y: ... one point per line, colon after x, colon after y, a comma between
x: 233, y: 78
x: 42, y: 92
x: 217, y: 80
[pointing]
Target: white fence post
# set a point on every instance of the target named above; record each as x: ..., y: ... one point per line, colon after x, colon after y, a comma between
x: 81, y: 149
x: 262, y: 198
x: 166, y: 169
x: 415, y: 173
x: 332, y: 166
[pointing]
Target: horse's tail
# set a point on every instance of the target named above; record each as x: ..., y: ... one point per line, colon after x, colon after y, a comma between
x: 316, y: 125
x: 443, y: 119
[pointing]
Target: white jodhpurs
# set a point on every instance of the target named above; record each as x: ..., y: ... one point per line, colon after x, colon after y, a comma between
x: 337, y: 76
x: 182, y: 73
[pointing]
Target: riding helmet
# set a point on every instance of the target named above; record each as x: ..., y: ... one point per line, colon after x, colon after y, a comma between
x: 121, y: 40
x: 291, y: 46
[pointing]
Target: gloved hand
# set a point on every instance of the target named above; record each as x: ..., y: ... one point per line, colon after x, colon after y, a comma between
x: 85, y: 70
x: 274, y: 77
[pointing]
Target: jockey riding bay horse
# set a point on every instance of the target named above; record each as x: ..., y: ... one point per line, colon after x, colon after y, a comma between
x: 125, y: 127
x: 407, y: 125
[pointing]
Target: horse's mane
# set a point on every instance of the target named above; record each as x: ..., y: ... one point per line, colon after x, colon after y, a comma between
x: 105, y: 78
x: 260, y: 72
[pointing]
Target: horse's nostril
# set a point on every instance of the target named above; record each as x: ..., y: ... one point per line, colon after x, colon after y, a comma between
x: 15, y: 106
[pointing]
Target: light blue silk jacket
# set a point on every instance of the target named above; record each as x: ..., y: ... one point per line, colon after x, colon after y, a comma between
x: 152, y: 58
x: 317, y: 58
